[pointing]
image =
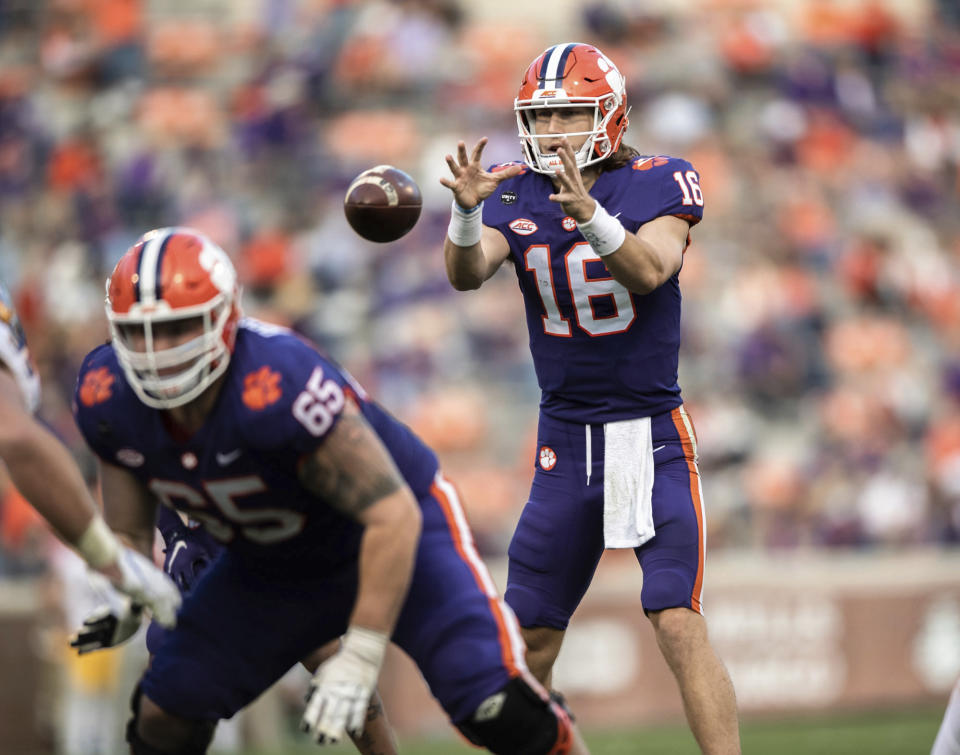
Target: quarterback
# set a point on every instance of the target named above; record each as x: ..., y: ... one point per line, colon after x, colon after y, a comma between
x: 596, y: 234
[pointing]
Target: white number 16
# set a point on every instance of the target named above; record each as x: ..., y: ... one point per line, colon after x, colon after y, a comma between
x: 693, y: 194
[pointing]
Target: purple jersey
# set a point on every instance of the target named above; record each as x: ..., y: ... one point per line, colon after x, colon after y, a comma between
x: 600, y: 352
x: 237, y: 475
x: 283, y: 576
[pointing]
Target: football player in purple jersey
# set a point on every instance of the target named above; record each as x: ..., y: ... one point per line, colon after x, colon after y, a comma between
x: 47, y: 476
x: 188, y: 552
x: 333, y: 518
x: 596, y: 234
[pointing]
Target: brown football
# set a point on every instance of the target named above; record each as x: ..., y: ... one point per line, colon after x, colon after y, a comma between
x: 382, y: 203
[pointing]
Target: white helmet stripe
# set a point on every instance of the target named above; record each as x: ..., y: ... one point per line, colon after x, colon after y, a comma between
x: 554, y: 63
x: 148, y: 271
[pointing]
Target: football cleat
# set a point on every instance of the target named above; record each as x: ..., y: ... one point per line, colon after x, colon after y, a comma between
x: 172, y: 284
x: 573, y: 75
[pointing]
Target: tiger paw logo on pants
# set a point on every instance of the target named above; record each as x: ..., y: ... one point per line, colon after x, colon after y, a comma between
x: 548, y: 458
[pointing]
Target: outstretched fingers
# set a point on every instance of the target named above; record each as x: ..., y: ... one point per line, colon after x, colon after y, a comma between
x: 478, y: 150
x: 569, y: 161
x: 455, y: 169
x: 508, y: 172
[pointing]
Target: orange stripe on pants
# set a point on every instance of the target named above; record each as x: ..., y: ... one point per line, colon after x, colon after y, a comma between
x: 463, y: 541
x: 681, y: 421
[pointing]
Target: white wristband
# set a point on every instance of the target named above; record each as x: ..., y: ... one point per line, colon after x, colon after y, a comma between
x: 366, y: 644
x: 98, y: 545
x: 466, y: 226
x: 604, y: 232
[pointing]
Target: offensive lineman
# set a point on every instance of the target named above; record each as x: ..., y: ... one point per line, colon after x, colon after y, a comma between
x: 333, y: 517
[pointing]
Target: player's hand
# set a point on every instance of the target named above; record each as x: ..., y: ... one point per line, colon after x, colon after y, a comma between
x: 572, y: 195
x: 471, y: 184
x: 112, y: 623
x: 341, y: 688
x: 138, y: 577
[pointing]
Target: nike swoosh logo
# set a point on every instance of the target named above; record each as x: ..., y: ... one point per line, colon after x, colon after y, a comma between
x: 180, y: 545
x: 660, y: 448
x: 228, y: 458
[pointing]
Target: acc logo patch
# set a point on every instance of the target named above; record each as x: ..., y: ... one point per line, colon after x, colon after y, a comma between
x: 261, y: 388
x: 508, y: 197
x: 523, y: 227
x: 97, y: 386
x: 548, y: 458
x: 568, y: 224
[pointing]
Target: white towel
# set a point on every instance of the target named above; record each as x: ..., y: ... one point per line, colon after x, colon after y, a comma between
x: 627, y: 483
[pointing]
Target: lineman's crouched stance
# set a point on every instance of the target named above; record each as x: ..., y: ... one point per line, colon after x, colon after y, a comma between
x: 514, y: 721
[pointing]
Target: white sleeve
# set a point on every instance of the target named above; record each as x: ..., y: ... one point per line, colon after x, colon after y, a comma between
x: 16, y: 358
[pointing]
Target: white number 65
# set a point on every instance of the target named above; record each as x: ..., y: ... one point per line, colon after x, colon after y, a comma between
x: 316, y: 407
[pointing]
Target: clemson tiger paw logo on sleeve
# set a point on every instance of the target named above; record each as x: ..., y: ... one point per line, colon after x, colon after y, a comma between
x: 261, y: 388
x: 97, y: 386
x: 645, y: 163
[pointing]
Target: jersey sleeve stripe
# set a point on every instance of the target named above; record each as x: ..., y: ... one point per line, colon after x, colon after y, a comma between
x: 511, y: 641
x: 681, y: 421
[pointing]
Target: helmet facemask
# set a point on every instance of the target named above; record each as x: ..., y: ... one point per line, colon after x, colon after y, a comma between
x: 598, y: 145
x: 166, y: 378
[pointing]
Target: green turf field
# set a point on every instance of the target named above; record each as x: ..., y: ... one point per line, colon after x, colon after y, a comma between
x: 897, y: 733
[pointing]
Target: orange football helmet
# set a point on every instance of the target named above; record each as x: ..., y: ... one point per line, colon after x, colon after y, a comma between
x: 577, y: 75
x: 173, y: 277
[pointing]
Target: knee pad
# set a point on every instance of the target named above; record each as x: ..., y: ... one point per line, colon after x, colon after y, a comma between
x: 517, y: 720
x: 197, y: 744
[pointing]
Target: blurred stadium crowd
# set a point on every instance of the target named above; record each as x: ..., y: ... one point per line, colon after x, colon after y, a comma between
x: 821, y: 358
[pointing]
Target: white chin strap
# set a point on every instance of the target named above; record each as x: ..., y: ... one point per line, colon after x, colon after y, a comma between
x: 550, y: 162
